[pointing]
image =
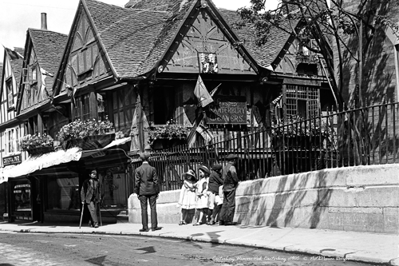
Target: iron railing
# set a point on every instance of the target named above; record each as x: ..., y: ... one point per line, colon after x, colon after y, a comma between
x: 363, y: 136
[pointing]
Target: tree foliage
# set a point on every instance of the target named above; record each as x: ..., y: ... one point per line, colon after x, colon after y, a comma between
x: 330, y: 26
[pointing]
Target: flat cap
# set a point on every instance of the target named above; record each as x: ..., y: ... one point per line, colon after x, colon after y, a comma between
x: 217, y: 167
x: 231, y: 156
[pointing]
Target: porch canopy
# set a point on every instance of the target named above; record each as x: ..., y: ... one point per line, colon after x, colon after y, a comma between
x: 36, y: 163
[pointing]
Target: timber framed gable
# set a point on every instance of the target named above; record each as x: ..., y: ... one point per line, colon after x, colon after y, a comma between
x: 42, y: 55
x: 83, y: 61
x: 205, y: 44
x: 10, y: 79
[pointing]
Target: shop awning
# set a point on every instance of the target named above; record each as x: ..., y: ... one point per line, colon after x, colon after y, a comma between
x: 35, y: 163
x: 4, y: 178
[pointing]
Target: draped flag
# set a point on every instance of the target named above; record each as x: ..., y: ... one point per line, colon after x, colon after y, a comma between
x: 139, y: 127
x: 202, y: 93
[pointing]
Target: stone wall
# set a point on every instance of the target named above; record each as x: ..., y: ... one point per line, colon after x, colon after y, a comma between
x: 362, y: 198
x: 379, y: 77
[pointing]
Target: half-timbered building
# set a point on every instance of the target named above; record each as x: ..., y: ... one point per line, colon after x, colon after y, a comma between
x: 33, y: 112
x: 11, y: 130
x: 164, y: 73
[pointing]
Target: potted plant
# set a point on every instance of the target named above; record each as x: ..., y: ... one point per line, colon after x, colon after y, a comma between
x: 37, y: 143
x: 85, y: 133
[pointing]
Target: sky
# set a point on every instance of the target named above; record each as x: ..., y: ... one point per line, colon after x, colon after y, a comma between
x: 16, y: 16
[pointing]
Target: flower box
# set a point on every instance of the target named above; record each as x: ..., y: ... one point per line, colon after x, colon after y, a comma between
x: 37, y: 143
x: 88, y: 135
x: 89, y: 142
x: 40, y: 150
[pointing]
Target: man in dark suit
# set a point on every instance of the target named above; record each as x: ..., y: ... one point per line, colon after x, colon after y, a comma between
x: 147, y: 189
x: 90, y: 195
x: 230, y: 185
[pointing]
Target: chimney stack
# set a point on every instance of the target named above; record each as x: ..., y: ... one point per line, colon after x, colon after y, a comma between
x: 44, y: 21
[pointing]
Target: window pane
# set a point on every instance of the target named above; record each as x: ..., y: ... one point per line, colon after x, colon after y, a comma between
x: 22, y: 193
x: 63, y: 194
x: 114, y: 188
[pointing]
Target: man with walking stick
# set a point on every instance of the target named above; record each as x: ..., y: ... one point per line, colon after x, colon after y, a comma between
x: 90, y: 195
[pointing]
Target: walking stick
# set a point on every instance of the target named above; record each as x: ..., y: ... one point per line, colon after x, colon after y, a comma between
x: 99, y: 209
x: 81, y: 215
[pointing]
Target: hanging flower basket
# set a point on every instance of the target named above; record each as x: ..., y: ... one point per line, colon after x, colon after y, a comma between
x: 37, y: 144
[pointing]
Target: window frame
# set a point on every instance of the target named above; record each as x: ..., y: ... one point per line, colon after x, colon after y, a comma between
x: 10, y: 90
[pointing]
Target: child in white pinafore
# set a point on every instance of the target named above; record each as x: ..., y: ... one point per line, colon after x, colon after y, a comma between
x: 202, y: 195
x: 187, y: 200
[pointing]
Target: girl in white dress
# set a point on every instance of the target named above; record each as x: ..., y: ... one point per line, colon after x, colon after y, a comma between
x: 202, y: 193
x: 187, y: 200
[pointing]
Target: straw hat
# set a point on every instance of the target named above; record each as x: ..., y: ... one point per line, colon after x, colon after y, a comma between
x: 204, y: 169
x: 190, y: 173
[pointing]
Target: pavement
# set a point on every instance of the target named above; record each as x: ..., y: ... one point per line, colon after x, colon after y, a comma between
x: 372, y: 248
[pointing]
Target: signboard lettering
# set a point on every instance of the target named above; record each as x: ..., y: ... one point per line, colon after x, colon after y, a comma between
x: 231, y: 111
x: 11, y: 160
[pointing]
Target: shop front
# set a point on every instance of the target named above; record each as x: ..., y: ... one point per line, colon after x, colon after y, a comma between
x: 47, y: 187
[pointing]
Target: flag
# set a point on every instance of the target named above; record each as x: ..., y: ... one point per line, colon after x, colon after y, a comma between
x: 202, y: 93
x: 215, y: 90
x: 139, y: 128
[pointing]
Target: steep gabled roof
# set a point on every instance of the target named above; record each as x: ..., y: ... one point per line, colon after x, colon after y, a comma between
x: 134, y: 38
x: 16, y: 61
x: 268, y: 53
x: 49, y: 47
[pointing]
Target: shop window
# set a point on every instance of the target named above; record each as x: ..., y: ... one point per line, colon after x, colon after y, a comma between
x: 114, y: 187
x: 63, y: 194
x: 22, y: 196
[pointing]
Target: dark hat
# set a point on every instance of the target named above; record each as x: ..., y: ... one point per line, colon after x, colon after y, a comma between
x: 144, y: 156
x: 217, y: 167
x: 231, y: 156
x: 204, y: 169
